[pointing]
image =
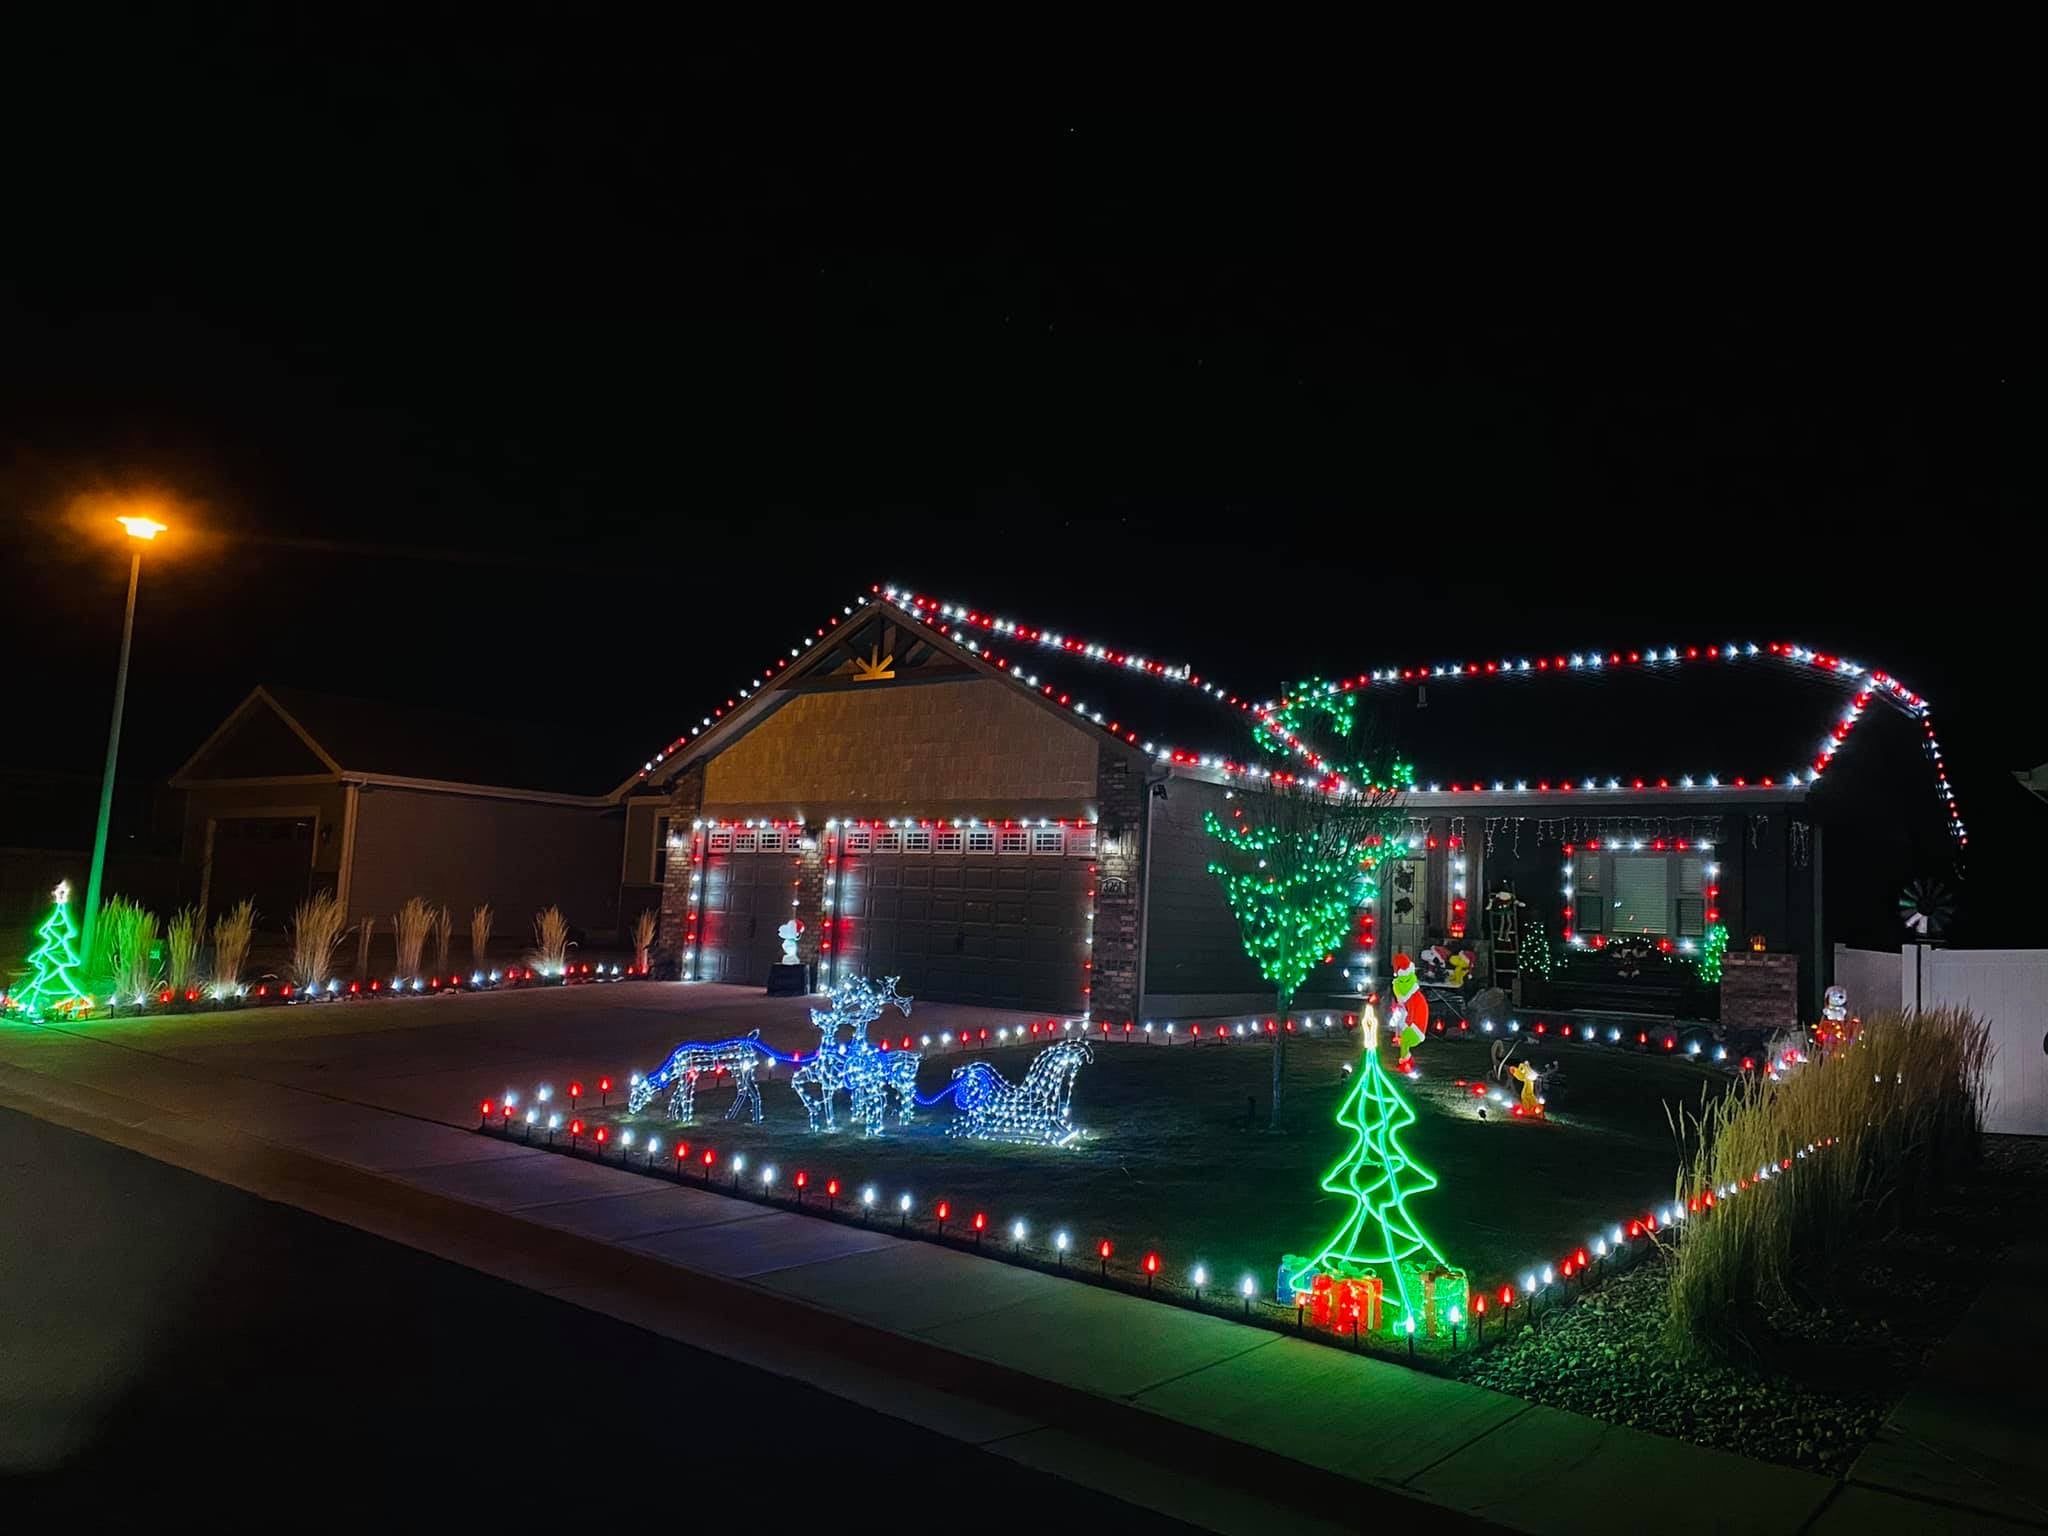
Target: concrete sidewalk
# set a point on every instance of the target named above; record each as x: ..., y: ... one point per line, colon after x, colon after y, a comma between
x: 1215, y: 1423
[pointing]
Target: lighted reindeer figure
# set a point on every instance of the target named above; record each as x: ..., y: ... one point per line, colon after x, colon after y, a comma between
x: 867, y: 1072
x: 693, y: 1060
x: 1035, y: 1110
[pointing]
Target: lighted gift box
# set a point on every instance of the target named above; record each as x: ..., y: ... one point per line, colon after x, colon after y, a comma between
x: 1341, y: 1304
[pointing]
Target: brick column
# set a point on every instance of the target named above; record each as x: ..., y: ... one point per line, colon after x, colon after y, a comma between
x: 1119, y: 882
x: 810, y: 901
x: 685, y: 805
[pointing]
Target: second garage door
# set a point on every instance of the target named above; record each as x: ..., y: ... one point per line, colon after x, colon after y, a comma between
x: 746, y: 898
x: 997, y: 919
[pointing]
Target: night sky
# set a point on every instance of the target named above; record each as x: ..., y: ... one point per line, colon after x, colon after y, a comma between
x: 552, y: 368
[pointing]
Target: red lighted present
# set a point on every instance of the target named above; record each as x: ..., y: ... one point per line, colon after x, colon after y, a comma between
x: 1339, y: 1303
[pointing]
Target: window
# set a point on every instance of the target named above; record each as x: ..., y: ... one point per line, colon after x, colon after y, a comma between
x: 950, y: 840
x: 1639, y: 900
x: 1659, y: 894
x: 1081, y: 840
x: 1049, y: 840
x: 859, y: 839
x: 721, y: 840
x: 771, y: 840
x: 981, y: 840
x: 889, y: 840
x: 917, y: 840
x: 1014, y: 840
x: 661, y: 850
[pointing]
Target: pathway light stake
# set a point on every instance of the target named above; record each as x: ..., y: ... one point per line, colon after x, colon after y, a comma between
x: 980, y: 1223
x: 1102, y: 1252
x: 903, y: 1212
x: 1245, y: 1287
x: 604, y: 1091
x: 739, y: 1166
x: 832, y: 1195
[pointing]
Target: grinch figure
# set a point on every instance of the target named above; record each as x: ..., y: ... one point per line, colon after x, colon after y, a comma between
x: 1409, y: 1021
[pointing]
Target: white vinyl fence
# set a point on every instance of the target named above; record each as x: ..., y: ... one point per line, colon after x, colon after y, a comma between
x: 2007, y: 988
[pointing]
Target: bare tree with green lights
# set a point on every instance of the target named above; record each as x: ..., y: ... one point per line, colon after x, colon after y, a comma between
x: 1300, y: 851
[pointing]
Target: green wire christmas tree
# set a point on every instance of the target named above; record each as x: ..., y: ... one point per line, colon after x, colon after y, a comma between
x: 53, y: 965
x: 1381, y: 1236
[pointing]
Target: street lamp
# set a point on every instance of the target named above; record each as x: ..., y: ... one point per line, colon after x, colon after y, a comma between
x: 141, y: 530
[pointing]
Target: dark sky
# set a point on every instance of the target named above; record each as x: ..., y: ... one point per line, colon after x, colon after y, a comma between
x: 542, y: 364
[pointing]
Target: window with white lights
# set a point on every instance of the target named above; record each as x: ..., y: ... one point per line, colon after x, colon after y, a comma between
x: 1639, y: 891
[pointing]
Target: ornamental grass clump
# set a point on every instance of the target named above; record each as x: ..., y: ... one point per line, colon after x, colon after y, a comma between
x: 409, y: 927
x: 317, y: 931
x: 182, y: 940
x: 1870, y: 1131
x: 643, y: 943
x: 441, y: 927
x: 550, y: 956
x: 133, y: 953
x: 479, y: 935
x: 232, y: 932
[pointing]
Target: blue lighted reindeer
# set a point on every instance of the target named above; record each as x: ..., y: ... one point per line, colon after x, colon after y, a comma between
x: 856, y: 1065
x: 695, y: 1059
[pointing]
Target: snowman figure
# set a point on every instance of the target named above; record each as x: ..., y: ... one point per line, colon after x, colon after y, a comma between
x: 1412, y: 1010
x: 788, y: 934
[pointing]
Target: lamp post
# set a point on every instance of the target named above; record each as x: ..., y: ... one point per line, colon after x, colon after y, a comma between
x: 141, y: 530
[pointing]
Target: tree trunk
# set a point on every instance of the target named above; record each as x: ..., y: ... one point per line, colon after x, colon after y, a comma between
x: 1279, y: 1061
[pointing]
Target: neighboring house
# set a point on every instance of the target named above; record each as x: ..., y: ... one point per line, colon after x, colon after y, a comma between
x: 1000, y: 814
x: 297, y: 791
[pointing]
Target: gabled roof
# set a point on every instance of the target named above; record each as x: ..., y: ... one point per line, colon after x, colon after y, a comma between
x: 935, y: 648
x: 1707, y: 720
x: 359, y: 738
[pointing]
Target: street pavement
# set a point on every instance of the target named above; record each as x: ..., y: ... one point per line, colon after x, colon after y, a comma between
x: 171, y: 1341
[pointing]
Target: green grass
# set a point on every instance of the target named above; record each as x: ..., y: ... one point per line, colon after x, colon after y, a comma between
x: 1172, y: 1165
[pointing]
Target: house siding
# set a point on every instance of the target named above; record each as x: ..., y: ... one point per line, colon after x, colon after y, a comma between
x: 913, y: 747
x: 458, y: 850
x: 1192, y: 946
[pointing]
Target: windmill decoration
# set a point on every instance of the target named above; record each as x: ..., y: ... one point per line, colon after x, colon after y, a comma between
x: 1925, y: 906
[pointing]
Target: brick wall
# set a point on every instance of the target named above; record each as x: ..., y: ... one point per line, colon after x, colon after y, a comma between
x: 685, y: 804
x: 1759, y: 991
x: 1119, y: 880
x: 903, y: 747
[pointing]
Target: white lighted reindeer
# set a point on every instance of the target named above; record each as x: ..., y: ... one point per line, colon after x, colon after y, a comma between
x: 693, y: 1060
x: 868, y: 1073
x: 1035, y: 1110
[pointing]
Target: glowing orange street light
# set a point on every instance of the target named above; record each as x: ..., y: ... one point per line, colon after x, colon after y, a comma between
x: 142, y: 527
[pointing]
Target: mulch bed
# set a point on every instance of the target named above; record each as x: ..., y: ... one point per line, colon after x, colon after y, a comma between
x: 1828, y: 1368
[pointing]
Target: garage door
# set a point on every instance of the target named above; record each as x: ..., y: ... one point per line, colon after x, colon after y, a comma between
x: 970, y: 915
x: 747, y: 891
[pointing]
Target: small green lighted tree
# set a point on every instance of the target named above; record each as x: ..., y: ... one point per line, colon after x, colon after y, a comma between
x: 1380, y: 1236
x: 1299, y: 852
x: 52, y: 978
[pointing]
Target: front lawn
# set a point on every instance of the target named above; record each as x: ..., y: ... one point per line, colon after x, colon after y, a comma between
x: 1177, y: 1159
